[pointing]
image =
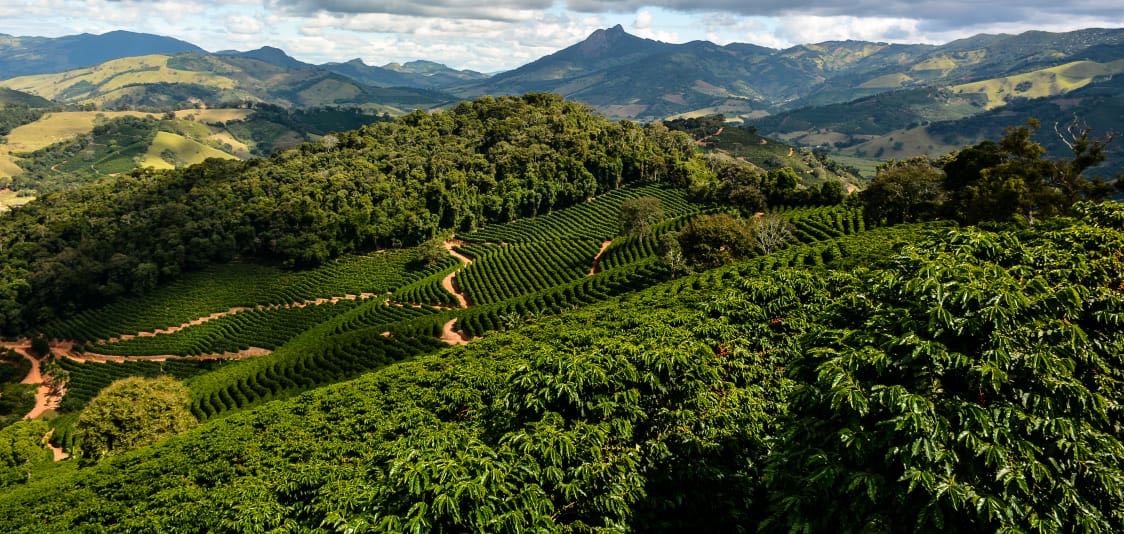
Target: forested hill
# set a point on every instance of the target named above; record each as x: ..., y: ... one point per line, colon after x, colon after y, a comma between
x: 387, y: 184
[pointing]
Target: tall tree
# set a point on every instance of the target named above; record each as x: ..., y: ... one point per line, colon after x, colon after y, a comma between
x: 639, y: 215
x: 904, y: 191
x: 131, y: 413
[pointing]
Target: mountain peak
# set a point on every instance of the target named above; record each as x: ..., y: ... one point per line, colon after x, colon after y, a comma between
x: 605, y: 40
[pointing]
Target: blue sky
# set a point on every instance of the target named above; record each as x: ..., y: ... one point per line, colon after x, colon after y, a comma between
x: 504, y: 34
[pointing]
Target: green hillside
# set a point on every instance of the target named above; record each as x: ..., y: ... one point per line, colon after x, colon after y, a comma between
x: 1099, y: 106
x: 840, y: 125
x: 685, y: 406
x: 518, y: 315
x: 715, y: 134
x: 61, y: 149
x: 162, y: 82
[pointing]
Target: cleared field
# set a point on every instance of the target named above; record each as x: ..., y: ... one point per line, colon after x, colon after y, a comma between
x: 901, y: 144
x: 9, y: 198
x: 866, y: 166
x: 186, y: 151
x: 944, y: 63
x: 213, y: 116
x: 8, y: 166
x: 60, y: 126
x: 1040, y: 83
x: 227, y: 139
x: 888, y: 81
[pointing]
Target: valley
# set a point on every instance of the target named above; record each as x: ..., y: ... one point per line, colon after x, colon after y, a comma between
x: 629, y: 286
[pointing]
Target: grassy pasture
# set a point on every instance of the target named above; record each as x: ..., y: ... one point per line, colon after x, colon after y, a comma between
x: 1040, y: 83
x: 85, y: 84
x: 59, y: 126
x: 214, y: 116
x: 186, y: 150
x: 8, y: 198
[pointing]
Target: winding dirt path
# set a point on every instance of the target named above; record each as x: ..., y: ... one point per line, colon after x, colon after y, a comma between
x: 43, y: 399
x: 234, y: 310
x: 57, y: 453
x: 93, y: 357
x: 448, y: 282
x: 711, y: 136
x: 596, y: 267
x: 451, y: 336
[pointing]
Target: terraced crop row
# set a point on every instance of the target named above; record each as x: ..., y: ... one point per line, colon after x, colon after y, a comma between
x: 596, y: 220
x: 378, y: 316
x: 834, y: 252
x: 88, y: 378
x: 626, y: 250
x: 826, y: 222
x: 264, y: 328
x: 502, y: 272
x: 477, y: 320
x: 220, y: 288
x: 299, y: 367
x: 428, y: 290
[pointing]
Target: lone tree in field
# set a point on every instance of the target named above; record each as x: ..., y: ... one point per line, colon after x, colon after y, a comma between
x: 714, y: 240
x: 771, y: 232
x: 639, y: 215
x: 904, y: 191
x: 432, y: 252
x: 132, y: 413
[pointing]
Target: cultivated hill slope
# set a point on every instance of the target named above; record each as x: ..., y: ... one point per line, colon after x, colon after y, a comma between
x: 847, y: 373
x: 716, y: 401
x: 487, y: 161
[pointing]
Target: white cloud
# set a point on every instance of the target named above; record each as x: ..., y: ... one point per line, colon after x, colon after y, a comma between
x: 243, y: 24
x: 643, y: 20
x: 506, y: 33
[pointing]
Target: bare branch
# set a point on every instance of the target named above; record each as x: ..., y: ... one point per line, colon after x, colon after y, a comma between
x: 1062, y: 136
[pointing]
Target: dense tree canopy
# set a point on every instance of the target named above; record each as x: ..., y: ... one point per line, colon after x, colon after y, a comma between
x: 713, y: 240
x: 134, y: 412
x: 387, y: 184
x: 639, y: 215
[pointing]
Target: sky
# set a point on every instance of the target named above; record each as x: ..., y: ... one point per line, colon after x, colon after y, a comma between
x: 503, y: 34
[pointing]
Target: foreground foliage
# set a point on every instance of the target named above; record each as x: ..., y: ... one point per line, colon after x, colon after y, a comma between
x: 970, y: 382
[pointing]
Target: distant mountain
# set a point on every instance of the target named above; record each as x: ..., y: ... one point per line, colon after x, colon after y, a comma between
x: 37, y: 55
x: 603, y: 49
x: 421, y: 74
x: 268, y: 54
x: 626, y: 76
x: 161, y: 82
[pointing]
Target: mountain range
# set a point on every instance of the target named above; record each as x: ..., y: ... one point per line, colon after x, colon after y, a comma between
x: 836, y: 94
x: 625, y: 76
